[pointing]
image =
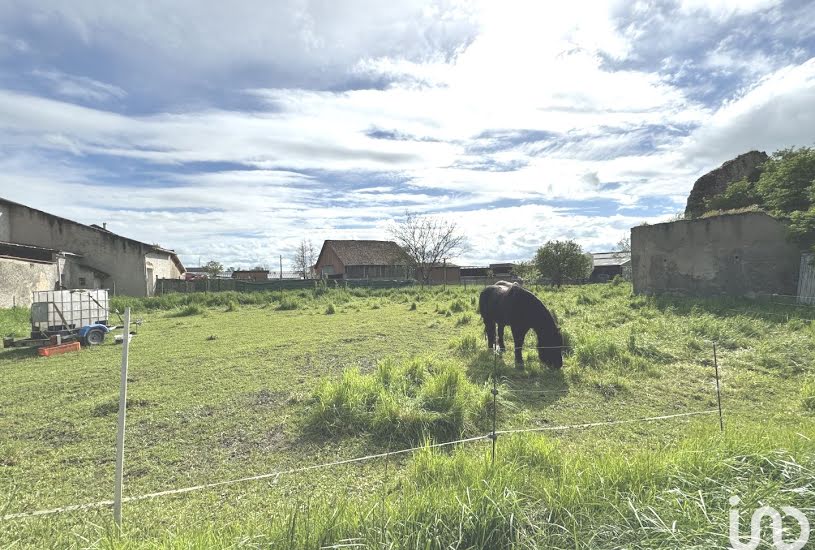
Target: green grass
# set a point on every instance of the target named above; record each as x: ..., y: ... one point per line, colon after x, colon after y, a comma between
x: 808, y: 395
x: 15, y: 322
x: 424, y: 398
x: 239, y: 386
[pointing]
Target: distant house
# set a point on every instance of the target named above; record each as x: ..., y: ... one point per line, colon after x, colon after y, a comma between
x: 357, y: 259
x: 608, y: 265
x: 92, y: 256
x: 251, y: 274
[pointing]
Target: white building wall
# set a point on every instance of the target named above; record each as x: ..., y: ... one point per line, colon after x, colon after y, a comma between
x: 19, y: 278
x: 159, y: 266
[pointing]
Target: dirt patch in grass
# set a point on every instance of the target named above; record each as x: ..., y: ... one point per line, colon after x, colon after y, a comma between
x: 267, y: 398
x: 241, y: 443
x: 112, y: 407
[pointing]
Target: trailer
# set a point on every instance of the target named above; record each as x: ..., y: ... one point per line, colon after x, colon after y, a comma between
x: 59, y: 316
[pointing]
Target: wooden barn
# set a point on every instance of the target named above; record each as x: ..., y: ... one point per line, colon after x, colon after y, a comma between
x: 357, y: 259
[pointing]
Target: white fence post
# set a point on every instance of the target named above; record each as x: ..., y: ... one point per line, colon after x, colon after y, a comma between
x: 120, y: 436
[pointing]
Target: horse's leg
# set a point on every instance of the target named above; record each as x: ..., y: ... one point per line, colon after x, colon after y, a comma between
x: 518, y: 335
x: 501, y: 345
x: 489, y: 327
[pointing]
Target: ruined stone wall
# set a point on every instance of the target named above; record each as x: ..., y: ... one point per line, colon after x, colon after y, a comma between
x: 20, y: 278
x: 735, y: 255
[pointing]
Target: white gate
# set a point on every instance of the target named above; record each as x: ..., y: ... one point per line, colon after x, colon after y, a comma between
x: 806, y: 280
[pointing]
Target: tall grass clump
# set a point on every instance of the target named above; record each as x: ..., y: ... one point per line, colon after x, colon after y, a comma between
x: 599, y: 351
x: 288, y: 303
x: 330, y: 310
x: 465, y: 345
x: 421, y: 398
x: 190, y: 310
x: 808, y: 395
x: 464, y: 319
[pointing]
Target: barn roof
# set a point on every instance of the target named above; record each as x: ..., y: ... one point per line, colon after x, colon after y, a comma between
x: 367, y: 252
x: 611, y: 258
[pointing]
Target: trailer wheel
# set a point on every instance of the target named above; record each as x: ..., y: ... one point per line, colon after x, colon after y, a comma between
x: 95, y: 337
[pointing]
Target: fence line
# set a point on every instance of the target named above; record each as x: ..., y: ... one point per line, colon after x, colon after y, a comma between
x: 603, y: 423
x: 493, y: 436
x: 183, y: 490
x: 105, y: 503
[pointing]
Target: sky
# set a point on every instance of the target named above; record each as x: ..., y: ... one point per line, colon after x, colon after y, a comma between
x: 233, y: 130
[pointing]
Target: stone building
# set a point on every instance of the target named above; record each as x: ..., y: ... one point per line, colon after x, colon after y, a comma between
x: 731, y: 254
x: 85, y: 256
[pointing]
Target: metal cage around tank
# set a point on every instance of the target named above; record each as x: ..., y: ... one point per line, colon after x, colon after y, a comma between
x: 66, y: 310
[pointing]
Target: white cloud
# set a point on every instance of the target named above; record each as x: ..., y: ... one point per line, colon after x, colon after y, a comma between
x: 458, y: 87
x: 79, y: 87
x: 777, y: 112
x: 724, y: 9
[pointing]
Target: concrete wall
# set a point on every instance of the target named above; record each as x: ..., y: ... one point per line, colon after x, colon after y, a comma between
x: 453, y: 275
x: 737, y: 255
x: 20, y: 278
x: 121, y: 258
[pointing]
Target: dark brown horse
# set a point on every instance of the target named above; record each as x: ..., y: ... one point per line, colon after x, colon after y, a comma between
x: 510, y: 304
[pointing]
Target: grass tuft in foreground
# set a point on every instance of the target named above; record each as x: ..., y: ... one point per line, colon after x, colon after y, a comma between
x: 421, y: 398
x: 541, y: 494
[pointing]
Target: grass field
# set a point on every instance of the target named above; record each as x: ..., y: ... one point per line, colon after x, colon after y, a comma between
x: 223, y: 386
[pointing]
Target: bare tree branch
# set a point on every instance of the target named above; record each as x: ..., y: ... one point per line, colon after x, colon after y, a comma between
x: 304, y: 259
x: 427, y: 241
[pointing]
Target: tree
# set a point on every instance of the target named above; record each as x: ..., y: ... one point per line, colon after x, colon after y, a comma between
x: 427, y: 241
x: 527, y: 270
x: 785, y: 188
x: 562, y: 260
x: 213, y: 268
x: 304, y: 259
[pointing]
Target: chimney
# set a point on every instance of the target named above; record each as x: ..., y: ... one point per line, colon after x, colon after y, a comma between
x: 105, y: 226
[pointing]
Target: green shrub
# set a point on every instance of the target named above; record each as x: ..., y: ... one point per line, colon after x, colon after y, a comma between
x: 413, y: 306
x: 232, y: 306
x: 330, y: 310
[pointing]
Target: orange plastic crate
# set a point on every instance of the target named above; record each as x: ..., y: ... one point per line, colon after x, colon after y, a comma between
x: 47, y: 351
